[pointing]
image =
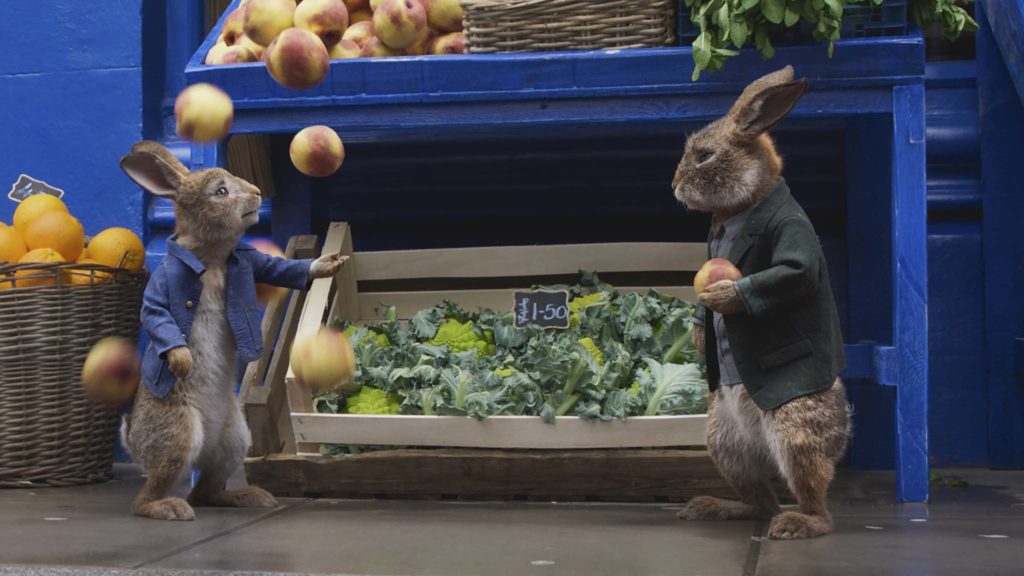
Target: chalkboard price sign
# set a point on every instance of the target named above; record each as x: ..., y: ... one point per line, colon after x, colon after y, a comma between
x: 544, y: 308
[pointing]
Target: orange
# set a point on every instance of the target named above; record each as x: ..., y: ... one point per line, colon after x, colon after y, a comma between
x: 87, y: 277
x: 40, y: 255
x: 12, y: 247
x: 57, y: 230
x: 33, y: 207
x: 117, y: 248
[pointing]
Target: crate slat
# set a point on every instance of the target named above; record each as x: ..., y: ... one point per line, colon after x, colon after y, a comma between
x: 527, y: 261
x: 408, y: 303
x: 568, y: 432
x: 263, y: 401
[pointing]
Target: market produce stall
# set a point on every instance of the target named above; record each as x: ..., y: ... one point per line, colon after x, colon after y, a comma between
x: 870, y: 91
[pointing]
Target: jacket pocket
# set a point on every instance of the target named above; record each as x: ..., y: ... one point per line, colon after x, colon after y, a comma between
x: 786, y: 354
x: 152, y: 365
x: 156, y: 375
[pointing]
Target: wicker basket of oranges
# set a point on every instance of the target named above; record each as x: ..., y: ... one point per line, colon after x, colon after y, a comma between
x: 59, y: 295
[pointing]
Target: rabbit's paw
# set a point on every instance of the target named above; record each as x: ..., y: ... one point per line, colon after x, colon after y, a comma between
x: 166, y: 509
x: 797, y: 526
x: 327, y: 266
x: 723, y: 297
x: 710, y: 508
x: 251, y: 497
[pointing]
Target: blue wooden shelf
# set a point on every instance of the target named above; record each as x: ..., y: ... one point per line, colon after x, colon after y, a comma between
x: 872, y: 89
x: 375, y: 97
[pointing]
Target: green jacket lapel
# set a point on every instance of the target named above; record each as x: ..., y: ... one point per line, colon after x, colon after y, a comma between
x: 758, y: 219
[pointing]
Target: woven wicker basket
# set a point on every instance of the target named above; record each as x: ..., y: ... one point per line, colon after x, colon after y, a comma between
x: 549, y: 25
x: 50, y: 434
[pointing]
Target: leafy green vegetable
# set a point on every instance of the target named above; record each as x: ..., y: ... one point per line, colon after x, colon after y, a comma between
x: 724, y: 23
x: 623, y: 355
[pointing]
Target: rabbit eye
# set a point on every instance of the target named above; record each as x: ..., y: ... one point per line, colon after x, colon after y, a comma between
x: 222, y: 191
x: 704, y: 155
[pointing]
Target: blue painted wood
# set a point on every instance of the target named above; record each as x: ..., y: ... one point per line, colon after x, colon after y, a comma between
x: 1005, y: 20
x: 956, y: 331
x: 911, y: 292
x: 1002, y: 124
x: 1018, y: 355
x: 367, y: 98
x: 957, y: 388
x: 868, y: 360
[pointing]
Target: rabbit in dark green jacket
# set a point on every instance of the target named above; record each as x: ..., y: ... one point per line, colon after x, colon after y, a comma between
x: 772, y: 338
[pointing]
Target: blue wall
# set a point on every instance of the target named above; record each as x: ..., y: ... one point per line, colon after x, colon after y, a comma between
x: 71, y: 104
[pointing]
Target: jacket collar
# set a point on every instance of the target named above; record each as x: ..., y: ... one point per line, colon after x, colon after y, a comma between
x: 186, y: 257
x: 757, y: 219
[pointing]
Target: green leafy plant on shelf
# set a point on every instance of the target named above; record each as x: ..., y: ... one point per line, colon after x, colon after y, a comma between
x: 728, y: 25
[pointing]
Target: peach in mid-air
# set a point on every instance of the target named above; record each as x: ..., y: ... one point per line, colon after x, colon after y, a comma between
x: 317, y: 151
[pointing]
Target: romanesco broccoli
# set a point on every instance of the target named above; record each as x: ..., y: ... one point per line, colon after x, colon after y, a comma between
x: 460, y: 337
x: 380, y: 339
x: 577, y: 304
x: 372, y: 401
x: 589, y: 344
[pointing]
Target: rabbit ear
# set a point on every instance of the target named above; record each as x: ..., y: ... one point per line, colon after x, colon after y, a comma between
x: 153, y: 167
x: 757, y: 112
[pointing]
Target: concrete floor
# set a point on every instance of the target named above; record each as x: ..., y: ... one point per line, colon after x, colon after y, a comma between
x: 974, y: 530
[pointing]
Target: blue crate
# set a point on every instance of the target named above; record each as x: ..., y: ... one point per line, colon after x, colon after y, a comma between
x: 859, y: 21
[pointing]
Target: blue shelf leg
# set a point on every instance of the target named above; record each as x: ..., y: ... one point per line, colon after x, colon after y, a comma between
x: 1001, y: 125
x: 910, y: 262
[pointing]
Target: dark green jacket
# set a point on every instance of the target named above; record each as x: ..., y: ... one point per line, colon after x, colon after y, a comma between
x: 788, y: 343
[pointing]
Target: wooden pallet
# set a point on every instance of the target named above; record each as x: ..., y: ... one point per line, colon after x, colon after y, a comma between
x: 499, y: 457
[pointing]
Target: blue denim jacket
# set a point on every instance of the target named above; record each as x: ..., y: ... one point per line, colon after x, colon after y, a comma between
x: 170, y: 299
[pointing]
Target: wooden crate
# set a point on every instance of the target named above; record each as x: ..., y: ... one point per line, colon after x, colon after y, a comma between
x: 501, y: 456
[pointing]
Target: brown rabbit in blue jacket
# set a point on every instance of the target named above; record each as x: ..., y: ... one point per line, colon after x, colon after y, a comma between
x: 772, y: 338
x: 200, y: 314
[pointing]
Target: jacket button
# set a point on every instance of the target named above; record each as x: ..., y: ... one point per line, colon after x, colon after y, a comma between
x: 189, y: 304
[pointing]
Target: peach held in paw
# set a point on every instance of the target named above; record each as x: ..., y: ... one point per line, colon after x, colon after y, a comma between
x: 399, y: 23
x: 715, y: 270
x: 203, y: 113
x: 265, y: 293
x: 110, y: 374
x: 328, y: 19
x: 317, y: 151
x: 265, y: 19
x: 297, y: 59
x: 325, y: 361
